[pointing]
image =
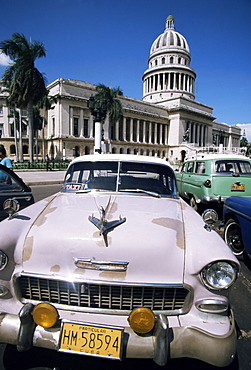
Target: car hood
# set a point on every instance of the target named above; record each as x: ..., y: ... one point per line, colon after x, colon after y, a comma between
x: 149, y: 237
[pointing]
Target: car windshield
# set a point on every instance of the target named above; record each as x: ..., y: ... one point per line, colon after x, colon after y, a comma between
x: 233, y: 166
x: 120, y: 176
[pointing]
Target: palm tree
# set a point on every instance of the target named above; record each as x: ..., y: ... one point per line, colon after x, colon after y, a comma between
x: 46, y: 104
x: 25, y: 83
x: 114, y: 106
x: 38, y: 125
x: 18, y: 123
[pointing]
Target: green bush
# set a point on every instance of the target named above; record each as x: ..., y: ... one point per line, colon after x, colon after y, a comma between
x: 39, y: 165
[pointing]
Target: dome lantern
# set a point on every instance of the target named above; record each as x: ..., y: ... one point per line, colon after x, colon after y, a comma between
x: 170, y: 22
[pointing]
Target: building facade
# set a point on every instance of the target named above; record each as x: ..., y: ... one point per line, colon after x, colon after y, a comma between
x: 168, y: 122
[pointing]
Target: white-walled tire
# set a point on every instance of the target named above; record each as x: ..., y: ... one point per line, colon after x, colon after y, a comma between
x: 233, y: 237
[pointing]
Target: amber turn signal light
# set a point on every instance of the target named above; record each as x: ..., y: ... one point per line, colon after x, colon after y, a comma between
x: 45, y: 315
x: 141, y: 320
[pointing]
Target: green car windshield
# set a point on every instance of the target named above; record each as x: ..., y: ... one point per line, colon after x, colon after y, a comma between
x: 233, y: 166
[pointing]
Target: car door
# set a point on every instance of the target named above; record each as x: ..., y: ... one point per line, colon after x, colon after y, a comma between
x: 185, y: 183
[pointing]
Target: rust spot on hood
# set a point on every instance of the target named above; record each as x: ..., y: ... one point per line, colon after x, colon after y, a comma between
x: 172, y: 224
x: 55, y: 268
x: 28, y: 246
x: 43, y: 217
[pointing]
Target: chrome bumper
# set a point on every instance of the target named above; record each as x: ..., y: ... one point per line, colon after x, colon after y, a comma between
x: 165, y: 343
x: 218, y: 199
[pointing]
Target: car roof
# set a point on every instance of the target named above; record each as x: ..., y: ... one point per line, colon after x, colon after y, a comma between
x: 120, y: 157
x: 218, y: 157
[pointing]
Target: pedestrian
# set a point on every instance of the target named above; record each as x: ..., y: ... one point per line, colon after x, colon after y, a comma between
x: 5, y: 161
x: 47, y: 159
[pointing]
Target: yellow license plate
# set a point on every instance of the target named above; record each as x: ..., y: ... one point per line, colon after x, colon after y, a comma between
x: 237, y: 187
x: 92, y: 340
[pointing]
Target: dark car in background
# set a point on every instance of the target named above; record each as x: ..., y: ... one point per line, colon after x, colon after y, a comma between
x: 237, y: 219
x: 13, y: 189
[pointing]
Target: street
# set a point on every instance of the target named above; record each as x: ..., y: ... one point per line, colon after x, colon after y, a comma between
x: 240, y: 299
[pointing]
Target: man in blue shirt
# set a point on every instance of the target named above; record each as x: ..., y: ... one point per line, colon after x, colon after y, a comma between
x: 5, y: 161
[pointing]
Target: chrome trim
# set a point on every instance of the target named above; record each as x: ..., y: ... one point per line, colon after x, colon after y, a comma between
x: 217, y: 198
x: 185, y: 302
x: 3, y: 291
x: 92, y: 264
x: 211, y: 302
x: 3, y: 260
x: 161, y: 344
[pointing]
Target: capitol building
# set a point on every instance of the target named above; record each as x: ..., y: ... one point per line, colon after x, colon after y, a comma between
x: 168, y: 122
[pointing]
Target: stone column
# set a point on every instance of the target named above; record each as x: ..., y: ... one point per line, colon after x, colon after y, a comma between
x: 131, y: 130
x: 81, y: 123
x: 150, y: 132
x: 124, y: 128
x: 137, y: 135
x: 71, y: 121
x: 144, y: 131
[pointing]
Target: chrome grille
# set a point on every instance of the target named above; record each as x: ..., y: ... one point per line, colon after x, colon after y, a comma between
x: 102, y: 296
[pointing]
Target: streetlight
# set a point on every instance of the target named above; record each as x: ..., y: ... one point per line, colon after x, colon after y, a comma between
x: 98, y: 109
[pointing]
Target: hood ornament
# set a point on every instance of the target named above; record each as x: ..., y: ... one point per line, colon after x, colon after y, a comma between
x: 102, y: 224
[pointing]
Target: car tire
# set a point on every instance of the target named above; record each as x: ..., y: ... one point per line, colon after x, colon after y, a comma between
x: 233, y: 238
x: 193, y: 204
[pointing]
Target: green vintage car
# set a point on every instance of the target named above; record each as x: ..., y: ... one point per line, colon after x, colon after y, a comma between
x: 210, y: 179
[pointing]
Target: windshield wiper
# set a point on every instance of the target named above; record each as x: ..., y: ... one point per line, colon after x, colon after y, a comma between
x: 151, y: 193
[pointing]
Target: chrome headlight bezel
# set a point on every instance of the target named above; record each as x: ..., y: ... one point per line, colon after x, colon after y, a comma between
x: 219, y: 275
x: 3, y: 260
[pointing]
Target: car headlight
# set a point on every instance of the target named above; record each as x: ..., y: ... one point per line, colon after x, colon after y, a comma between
x: 3, y: 260
x: 219, y: 275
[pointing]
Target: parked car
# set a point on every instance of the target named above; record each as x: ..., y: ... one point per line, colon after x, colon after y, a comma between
x: 211, y: 179
x: 117, y: 265
x: 13, y: 189
x: 237, y: 219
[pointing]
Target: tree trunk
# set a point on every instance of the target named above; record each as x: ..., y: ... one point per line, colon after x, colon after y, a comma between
x: 43, y: 146
x: 20, y: 138
x: 30, y: 130
x: 15, y: 138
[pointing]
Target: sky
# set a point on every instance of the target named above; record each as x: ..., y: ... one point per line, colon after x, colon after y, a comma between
x: 108, y: 42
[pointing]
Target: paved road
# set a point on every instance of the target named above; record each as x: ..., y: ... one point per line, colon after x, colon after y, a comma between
x: 41, y: 177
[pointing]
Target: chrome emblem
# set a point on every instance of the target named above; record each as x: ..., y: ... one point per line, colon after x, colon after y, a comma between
x: 92, y: 264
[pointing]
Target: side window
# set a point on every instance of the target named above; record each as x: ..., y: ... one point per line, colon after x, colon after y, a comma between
x: 8, y: 183
x: 200, y: 167
x: 190, y: 167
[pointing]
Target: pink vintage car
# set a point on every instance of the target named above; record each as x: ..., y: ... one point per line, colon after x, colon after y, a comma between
x: 117, y: 265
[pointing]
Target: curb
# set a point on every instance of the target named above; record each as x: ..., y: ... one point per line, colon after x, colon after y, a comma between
x: 38, y: 183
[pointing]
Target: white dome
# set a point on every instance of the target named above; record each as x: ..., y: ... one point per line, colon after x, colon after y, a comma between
x: 169, y: 74
x: 170, y: 39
